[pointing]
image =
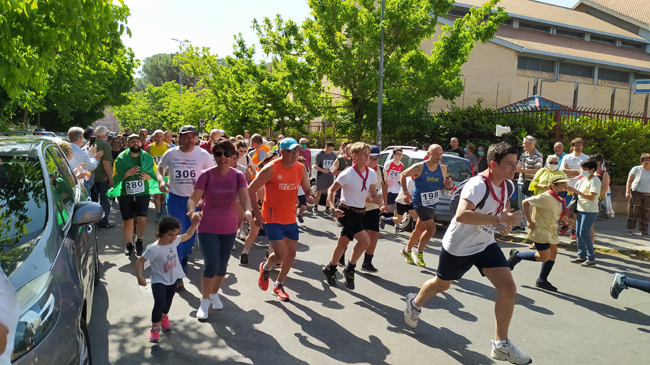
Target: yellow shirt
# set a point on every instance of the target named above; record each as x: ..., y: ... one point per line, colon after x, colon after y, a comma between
x: 157, y: 152
x: 546, y: 213
x: 543, y: 176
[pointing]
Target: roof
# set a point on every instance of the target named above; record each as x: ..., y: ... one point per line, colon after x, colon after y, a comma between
x: 531, y: 41
x: 638, y: 10
x: 558, y: 15
x: 535, y: 102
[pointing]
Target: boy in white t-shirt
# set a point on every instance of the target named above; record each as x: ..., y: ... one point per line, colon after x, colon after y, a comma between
x: 469, y: 241
x: 355, y: 182
x: 571, y: 167
x: 165, y: 269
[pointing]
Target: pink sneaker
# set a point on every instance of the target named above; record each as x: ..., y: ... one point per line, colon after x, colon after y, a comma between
x: 154, y: 335
x: 164, y: 323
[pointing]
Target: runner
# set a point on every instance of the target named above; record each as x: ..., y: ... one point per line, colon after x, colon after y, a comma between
x: 185, y: 164
x: 133, y: 177
x: 355, y: 183
x: 402, y: 207
x: 281, y: 179
x: 302, y: 199
x: 621, y: 282
x: 343, y: 161
x: 238, y: 208
x: 393, y: 169
x: 429, y: 179
x: 324, y: 178
x: 157, y: 149
x: 168, y: 139
x: 371, y: 218
x: 218, y: 187
x: 469, y: 241
x: 244, y: 158
x: 258, y: 151
x: 548, y: 208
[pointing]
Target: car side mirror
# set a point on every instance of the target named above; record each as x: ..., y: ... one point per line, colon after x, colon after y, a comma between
x: 87, y: 213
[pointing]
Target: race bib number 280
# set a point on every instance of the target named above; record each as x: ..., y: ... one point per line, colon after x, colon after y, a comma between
x: 134, y: 187
x: 430, y: 198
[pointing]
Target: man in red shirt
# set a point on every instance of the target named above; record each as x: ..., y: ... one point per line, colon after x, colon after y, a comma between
x: 215, y: 134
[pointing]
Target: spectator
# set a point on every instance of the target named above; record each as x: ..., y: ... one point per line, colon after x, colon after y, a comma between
x: 103, y: 176
x: 116, y: 147
x: 530, y: 161
x: 86, y: 159
x: 215, y: 134
x: 342, y: 148
x: 638, y: 193
x: 306, y: 154
x: 143, y: 137
x: 454, y: 147
x: 542, y: 180
x: 571, y: 166
x: 558, y: 147
x: 603, y: 175
x: 127, y: 131
x: 482, y: 160
x: 469, y: 154
x: 587, y: 191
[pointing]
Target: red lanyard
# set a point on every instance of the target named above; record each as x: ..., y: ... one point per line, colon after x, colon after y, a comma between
x: 557, y: 197
x: 494, y: 195
x: 354, y: 166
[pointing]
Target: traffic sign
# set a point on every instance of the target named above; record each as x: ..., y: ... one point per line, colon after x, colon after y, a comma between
x: 642, y: 86
x: 202, y: 123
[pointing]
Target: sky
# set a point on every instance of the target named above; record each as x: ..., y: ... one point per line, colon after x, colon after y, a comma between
x: 209, y: 23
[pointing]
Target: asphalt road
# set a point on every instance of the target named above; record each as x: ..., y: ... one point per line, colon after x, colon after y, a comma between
x: 321, y: 325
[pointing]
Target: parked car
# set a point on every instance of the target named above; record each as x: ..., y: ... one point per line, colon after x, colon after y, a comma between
x: 49, y: 251
x: 458, y: 168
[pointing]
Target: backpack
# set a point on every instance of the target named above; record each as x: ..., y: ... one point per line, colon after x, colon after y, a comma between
x: 456, y: 191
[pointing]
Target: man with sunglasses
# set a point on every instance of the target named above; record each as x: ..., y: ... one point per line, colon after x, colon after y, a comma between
x: 185, y: 163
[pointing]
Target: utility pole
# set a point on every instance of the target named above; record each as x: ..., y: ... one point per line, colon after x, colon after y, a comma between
x: 180, y: 72
x: 381, y: 76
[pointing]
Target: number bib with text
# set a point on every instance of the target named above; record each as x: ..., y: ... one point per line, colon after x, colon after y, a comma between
x: 134, y: 187
x: 393, y: 175
x: 157, y: 159
x: 184, y: 176
x: 430, y: 198
x: 327, y: 164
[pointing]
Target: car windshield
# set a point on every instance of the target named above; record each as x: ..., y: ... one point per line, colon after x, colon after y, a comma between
x: 23, y: 208
x: 459, y: 169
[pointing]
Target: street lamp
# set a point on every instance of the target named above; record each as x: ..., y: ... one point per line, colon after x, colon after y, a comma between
x: 180, y: 72
x: 381, y: 76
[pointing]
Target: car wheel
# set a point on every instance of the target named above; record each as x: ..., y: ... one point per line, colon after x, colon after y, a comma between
x: 405, y: 224
x: 85, y: 357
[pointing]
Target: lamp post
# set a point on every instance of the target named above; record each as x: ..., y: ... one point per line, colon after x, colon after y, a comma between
x: 381, y: 76
x: 180, y: 72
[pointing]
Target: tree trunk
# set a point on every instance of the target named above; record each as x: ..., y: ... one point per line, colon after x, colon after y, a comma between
x: 358, y: 119
x: 26, y: 117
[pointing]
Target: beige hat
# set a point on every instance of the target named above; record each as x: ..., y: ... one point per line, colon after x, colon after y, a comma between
x: 559, y: 179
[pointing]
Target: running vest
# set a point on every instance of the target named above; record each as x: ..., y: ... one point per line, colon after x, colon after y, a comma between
x: 427, y: 186
x: 279, y: 204
x: 256, y: 156
x: 157, y: 152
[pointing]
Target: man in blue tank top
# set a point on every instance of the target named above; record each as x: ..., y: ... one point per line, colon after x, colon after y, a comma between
x: 430, y: 178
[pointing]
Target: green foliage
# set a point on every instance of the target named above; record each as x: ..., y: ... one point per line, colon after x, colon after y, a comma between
x: 36, y: 32
x: 159, y: 69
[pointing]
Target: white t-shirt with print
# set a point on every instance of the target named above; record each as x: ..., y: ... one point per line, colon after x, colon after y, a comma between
x: 184, y: 168
x: 588, y: 186
x: 410, y: 186
x: 351, y: 185
x: 165, y: 265
x: 8, y: 315
x: 462, y: 239
x: 573, y: 163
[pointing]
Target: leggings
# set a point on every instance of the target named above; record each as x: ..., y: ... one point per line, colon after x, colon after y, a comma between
x: 162, y: 300
x: 177, y: 208
x: 583, y: 232
x: 216, y: 250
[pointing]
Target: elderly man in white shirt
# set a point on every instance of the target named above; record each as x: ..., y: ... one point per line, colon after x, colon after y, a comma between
x: 79, y: 156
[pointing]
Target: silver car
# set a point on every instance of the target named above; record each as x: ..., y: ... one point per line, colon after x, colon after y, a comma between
x: 49, y: 251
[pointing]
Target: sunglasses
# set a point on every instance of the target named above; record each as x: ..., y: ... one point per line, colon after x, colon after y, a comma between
x: 553, y: 163
x: 219, y: 153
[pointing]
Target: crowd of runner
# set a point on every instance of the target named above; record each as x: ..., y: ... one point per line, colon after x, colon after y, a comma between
x: 224, y: 188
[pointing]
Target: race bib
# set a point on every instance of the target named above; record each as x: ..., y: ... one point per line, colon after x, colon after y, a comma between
x: 488, y: 229
x: 327, y: 164
x: 157, y: 159
x: 184, y: 176
x: 393, y: 175
x: 134, y: 187
x: 430, y: 198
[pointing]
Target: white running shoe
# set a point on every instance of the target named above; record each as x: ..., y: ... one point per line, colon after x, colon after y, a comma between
x: 411, y: 315
x: 510, y: 352
x: 202, y: 313
x: 216, y: 302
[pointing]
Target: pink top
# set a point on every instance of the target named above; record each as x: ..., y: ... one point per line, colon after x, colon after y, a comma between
x: 219, y: 200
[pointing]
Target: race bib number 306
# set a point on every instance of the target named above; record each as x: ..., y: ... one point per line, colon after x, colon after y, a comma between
x: 184, y: 175
x: 134, y: 187
x: 430, y: 198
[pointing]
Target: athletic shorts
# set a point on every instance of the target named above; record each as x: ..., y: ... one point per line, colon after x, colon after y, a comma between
x: 277, y: 232
x: 371, y: 220
x: 425, y: 213
x: 302, y: 200
x: 452, y: 267
x: 324, y: 182
x: 133, y: 206
x: 390, y: 198
x: 401, y: 209
x: 352, y: 223
x: 542, y: 246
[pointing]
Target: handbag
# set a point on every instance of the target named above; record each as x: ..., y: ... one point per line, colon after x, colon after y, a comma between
x: 573, y: 205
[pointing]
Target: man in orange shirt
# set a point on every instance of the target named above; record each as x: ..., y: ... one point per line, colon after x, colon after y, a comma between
x: 281, y: 178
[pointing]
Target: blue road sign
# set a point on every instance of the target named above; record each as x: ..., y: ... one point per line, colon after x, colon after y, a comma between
x: 642, y: 86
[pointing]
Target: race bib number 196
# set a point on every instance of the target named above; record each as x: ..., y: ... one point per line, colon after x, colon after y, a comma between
x: 134, y: 187
x: 430, y: 198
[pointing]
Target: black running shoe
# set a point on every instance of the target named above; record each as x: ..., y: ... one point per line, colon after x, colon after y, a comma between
x: 349, y: 279
x: 513, y: 259
x: 331, y: 276
x: 369, y: 268
x: 243, y: 259
x: 129, y: 249
x: 342, y: 260
x: 328, y: 211
x: 544, y: 284
x: 299, y: 216
x: 139, y: 249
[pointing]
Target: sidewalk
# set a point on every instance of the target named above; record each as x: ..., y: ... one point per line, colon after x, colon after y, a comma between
x: 610, y: 233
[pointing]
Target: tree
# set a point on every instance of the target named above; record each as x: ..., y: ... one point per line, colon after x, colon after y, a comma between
x: 35, y: 33
x: 159, y: 69
x: 343, y: 45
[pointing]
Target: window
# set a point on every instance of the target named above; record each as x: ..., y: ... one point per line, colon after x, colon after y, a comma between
x: 576, y: 70
x: 632, y: 45
x: 508, y: 22
x: 602, y: 39
x: 612, y: 75
x: 535, y: 64
x: 569, y: 33
x: 542, y: 28
x: 458, y: 13
x: 62, y: 184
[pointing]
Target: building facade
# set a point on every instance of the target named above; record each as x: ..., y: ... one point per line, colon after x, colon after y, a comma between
x: 109, y: 121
